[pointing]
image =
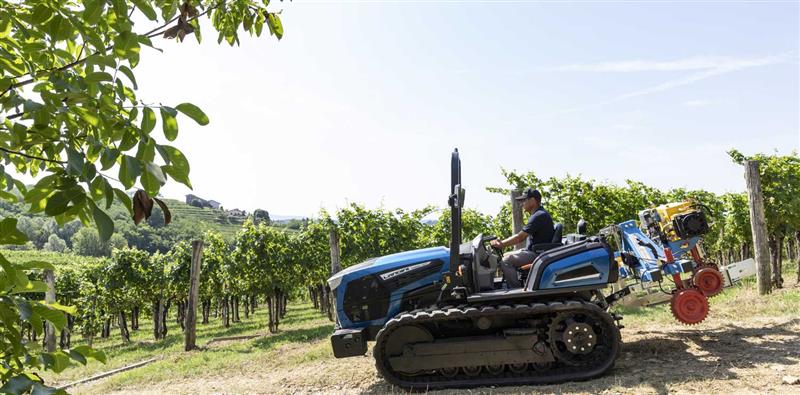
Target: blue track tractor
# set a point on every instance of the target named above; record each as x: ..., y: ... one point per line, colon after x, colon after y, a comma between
x: 441, y: 317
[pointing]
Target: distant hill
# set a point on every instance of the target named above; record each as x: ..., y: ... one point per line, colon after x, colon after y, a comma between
x: 198, y: 218
x: 221, y: 220
x: 216, y: 219
x: 279, y: 217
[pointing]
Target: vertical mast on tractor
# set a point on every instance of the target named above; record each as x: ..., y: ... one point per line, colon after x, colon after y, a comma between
x: 456, y: 202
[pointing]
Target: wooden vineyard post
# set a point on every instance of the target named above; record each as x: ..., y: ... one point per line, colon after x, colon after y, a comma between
x: 50, y: 297
x: 336, y: 267
x: 758, y: 226
x: 516, y: 215
x: 194, y: 285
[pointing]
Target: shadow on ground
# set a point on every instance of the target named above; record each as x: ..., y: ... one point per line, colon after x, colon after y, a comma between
x: 294, y: 336
x: 656, y: 360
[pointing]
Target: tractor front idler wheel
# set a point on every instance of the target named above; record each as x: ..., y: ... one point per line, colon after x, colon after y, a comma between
x: 689, y: 306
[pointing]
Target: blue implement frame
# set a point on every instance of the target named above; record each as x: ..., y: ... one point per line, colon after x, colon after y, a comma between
x: 651, y: 254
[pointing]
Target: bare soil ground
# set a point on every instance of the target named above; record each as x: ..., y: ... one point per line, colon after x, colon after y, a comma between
x: 738, y: 350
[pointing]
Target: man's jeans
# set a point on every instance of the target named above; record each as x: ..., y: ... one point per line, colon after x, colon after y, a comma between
x: 512, y: 261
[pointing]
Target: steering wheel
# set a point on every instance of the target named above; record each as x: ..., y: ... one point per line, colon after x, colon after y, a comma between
x: 499, y: 251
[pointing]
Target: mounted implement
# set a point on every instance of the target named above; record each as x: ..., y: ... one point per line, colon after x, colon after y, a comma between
x: 441, y: 317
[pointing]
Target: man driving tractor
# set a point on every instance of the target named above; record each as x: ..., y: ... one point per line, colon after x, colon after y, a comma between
x: 539, y: 229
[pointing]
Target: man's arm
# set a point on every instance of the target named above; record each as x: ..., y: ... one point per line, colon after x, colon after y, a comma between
x: 513, y: 240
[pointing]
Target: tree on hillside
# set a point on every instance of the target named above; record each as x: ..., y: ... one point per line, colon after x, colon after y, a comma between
x: 54, y: 243
x: 261, y: 216
x: 37, y: 229
x: 86, y: 242
x: 70, y: 117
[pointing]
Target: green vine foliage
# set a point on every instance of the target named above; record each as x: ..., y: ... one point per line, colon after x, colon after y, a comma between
x: 572, y: 198
x: 473, y: 223
x: 780, y: 184
x: 20, y: 358
x: 70, y: 118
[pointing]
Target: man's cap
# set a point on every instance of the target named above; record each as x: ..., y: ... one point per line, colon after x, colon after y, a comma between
x: 530, y: 193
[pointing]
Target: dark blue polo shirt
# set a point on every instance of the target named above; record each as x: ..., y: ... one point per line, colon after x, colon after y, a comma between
x: 539, y: 228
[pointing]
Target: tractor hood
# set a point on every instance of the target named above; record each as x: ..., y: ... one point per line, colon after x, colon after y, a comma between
x: 390, y: 262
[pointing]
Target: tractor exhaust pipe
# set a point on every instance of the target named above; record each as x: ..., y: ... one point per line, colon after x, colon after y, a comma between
x: 456, y: 202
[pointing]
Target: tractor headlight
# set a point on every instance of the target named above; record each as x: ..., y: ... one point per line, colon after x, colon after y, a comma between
x: 335, y: 280
x: 336, y: 323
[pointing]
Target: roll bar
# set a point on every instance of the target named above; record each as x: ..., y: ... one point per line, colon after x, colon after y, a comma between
x: 456, y: 202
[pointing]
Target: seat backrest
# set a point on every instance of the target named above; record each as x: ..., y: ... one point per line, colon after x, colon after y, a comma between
x: 558, y: 229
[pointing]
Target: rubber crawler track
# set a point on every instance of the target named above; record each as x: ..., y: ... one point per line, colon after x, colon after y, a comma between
x: 559, y: 373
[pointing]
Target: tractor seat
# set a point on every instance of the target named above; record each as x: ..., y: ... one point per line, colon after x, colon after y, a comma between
x: 558, y: 230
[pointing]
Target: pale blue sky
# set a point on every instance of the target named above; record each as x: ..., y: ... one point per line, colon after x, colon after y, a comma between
x: 364, y: 100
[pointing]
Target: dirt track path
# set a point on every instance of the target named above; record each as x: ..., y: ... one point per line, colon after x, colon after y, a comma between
x: 712, y: 358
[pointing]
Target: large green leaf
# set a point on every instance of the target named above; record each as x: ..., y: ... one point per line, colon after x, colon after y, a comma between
x: 124, y: 199
x: 76, y: 356
x: 66, y: 309
x: 177, y: 175
x: 275, y: 25
x: 129, y: 73
x: 41, y: 14
x: 9, y: 233
x: 8, y: 196
x: 105, y: 226
x: 56, y: 317
x: 55, y: 361
x: 93, y: 10
x: 74, y: 161
x: 169, y: 123
x: 126, y: 45
x: 177, y: 165
x: 41, y: 389
x: 147, y: 10
x: 98, y: 76
x: 108, y: 158
x: 129, y: 170
x: 148, y: 120
x: 193, y: 112
x: 36, y: 265
x: 58, y: 203
x: 88, y: 352
x: 152, y: 179
x: 31, y: 286
x: 90, y: 117
x: 25, y: 308
x: 17, y: 385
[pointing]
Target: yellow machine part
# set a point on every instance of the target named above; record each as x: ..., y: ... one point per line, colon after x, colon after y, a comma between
x: 668, y: 211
